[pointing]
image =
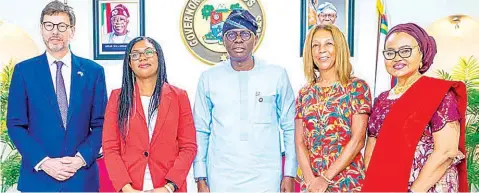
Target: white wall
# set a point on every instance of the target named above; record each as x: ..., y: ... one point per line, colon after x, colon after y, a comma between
x: 425, y: 12
x: 280, y: 44
x: 453, y: 45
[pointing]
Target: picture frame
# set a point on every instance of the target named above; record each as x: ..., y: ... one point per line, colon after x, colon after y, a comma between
x: 115, y: 24
x: 345, y: 10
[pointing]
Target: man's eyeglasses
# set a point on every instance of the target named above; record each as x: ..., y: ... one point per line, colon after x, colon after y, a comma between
x: 148, y: 52
x: 403, y: 53
x: 62, y: 27
x: 118, y: 19
x: 328, y: 15
x: 232, y: 35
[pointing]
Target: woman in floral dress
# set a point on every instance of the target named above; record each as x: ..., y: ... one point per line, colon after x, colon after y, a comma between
x: 416, y: 130
x: 331, y: 116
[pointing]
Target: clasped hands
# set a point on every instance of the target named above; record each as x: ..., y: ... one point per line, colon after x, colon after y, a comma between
x: 162, y: 189
x: 318, y: 184
x: 130, y: 189
x: 62, y: 168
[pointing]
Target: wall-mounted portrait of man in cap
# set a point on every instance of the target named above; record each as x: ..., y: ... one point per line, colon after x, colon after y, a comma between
x: 332, y: 12
x: 119, y: 32
x: 116, y: 23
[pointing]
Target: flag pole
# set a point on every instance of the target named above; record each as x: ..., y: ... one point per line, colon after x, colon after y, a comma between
x: 377, y: 52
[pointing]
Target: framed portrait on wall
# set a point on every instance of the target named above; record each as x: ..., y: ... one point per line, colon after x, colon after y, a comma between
x: 115, y: 24
x: 337, y: 12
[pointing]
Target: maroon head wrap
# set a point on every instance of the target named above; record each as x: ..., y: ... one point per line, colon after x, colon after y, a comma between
x: 427, y: 44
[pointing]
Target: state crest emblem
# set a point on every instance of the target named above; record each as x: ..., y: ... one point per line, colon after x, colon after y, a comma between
x: 202, y: 24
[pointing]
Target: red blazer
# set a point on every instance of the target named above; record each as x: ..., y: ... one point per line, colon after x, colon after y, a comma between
x: 172, y: 148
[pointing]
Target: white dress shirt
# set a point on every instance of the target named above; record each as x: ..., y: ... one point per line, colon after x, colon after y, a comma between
x: 66, y: 73
x: 145, y: 102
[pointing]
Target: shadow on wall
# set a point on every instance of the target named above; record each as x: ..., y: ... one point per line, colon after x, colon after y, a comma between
x: 15, y: 44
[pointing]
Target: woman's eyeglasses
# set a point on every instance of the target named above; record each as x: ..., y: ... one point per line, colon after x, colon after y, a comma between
x: 403, y: 53
x: 149, y: 52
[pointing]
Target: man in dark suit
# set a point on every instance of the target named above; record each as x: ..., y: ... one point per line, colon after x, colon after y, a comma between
x: 55, y: 111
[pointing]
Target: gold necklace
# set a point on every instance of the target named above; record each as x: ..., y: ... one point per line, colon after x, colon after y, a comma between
x: 401, y: 89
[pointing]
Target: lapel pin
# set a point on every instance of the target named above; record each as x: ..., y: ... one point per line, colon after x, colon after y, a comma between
x: 80, y: 73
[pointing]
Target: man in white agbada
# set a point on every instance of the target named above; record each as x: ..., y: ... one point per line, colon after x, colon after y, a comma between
x: 327, y: 13
x: 240, y: 106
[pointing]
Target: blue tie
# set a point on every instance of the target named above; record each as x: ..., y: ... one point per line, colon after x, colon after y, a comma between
x: 61, y: 93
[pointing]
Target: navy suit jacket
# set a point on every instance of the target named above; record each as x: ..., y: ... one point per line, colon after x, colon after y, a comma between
x: 35, y: 125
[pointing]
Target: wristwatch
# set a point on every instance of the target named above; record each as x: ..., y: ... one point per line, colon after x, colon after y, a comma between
x: 201, y: 178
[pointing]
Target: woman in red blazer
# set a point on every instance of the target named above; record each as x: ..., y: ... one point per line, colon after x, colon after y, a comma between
x: 149, y: 139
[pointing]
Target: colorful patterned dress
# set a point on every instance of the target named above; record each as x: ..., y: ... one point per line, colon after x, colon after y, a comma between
x: 327, y: 118
x: 447, y: 112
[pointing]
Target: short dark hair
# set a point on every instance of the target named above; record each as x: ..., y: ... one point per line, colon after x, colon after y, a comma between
x: 57, y: 7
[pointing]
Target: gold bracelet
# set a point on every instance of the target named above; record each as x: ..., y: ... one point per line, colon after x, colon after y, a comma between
x: 170, y: 190
x: 327, y: 180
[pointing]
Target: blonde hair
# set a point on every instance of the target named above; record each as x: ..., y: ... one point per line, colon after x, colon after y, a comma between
x: 342, y: 64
